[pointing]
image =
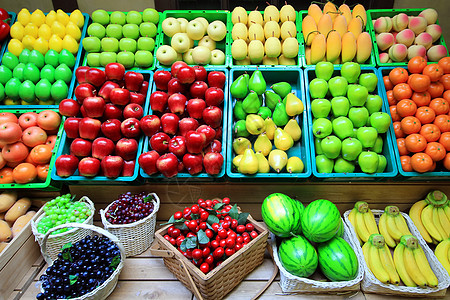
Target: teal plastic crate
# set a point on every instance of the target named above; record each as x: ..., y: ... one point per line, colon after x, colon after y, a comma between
x: 13, y: 17
x: 48, y: 184
x: 121, y: 180
x: 439, y: 174
x: 373, y: 14
x: 152, y: 67
x: 298, y: 59
x: 185, y: 176
x: 71, y: 86
x: 371, y: 62
x: 301, y: 148
x: 388, y: 138
x: 209, y: 15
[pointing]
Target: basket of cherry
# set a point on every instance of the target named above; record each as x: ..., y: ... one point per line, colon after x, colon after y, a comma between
x: 132, y: 218
x: 88, y: 268
x: 211, y: 246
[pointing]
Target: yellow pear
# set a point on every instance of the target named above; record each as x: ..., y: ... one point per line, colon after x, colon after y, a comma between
x: 272, y: 47
x: 270, y: 61
x: 255, y: 51
x: 294, y: 106
x: 278, y: 160
x: 272, y: 29
x: 236, y: 160
x: 240, y: 144
x: 243, y: 62
x: 77, y: 18
x: 290, y: 47
x: 288, y: 29
x: 263, y: 163
x: 256, y: 32
x: 282, y: 140
x: 295, y: 165
x: 270, y: 128
x: 287, y: 13
x: 254, y: 124
x: 51, y: 17
x: 263, y: 144
x: 248, y: 163
x: 239, y: 49
x: 239, y: 15
x: 271, y: 13
x: 62, y: 17
x: 239, y: 31
x: 293, y: 129
x: 283, y: 60
x: 254, y: 17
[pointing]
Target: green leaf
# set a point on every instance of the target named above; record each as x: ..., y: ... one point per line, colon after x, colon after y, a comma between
x: 191, y: 242
x: 72, y: 199
x: 195, y: 216
x: 173, y: 221
x: 149, y: 198
x: 115, y: 261
x: 73, y: 279
x: 234, y: 213
x: 181, y: 226
x: 242, y: 219
x: 66, y: 246
x: 183, y: 245
x: 211, y: 212
x: 209, y: 226
x: 202, y: 237
x: 65, y: 250
x: 218, y: 206
x: 212, y: 219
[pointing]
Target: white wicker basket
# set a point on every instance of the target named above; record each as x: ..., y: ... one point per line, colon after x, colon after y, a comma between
x: 106, y: 288
x: 56, y: 241
x: 293, y: 284
x: 370, y: 284
x: 138, y: 236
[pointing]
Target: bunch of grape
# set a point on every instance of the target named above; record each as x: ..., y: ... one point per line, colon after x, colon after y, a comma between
x: 62, y: 210
x: 130, y: 208
x: 80, y: 268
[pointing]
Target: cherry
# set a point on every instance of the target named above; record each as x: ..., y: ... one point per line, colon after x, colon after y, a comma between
x: 204, y: 267
x: 218, y: 253
x: 249, y: 227
x: 197, y: 254
x: 178, y: 215
x: 229, y: 252
x: 195, y: 209
x: 240, y: 229
x: 253, y: 234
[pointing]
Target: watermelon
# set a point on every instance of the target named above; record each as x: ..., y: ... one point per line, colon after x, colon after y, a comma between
x: 282, y: 214
x: 320, y: 221
x: 337, y: 260
x: 298, y: 256
x: 340, y: 232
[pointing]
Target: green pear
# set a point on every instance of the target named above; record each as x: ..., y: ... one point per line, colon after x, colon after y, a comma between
x: 351, y: 148
x: 279, y: 116
x: 317, y: 146
x: 340, y: 106
x: 278, y: 160
x: 264, y: 112
x: 324, y: 164
x: 343, y: 166
x: 257, y: 83
x: 293, y: 129
x: 263, y: 163
x: 382, y: 163
x: 251, y: 103
x: 368, y: 161
x: 271, y: 99
x: 367, y: 136
x: 263, y: 144
x: 240, y: 129
x: 248, y: 163
x: 270, y: 128
x: 358, y: 115
x: 238, y: 111
x: 342, y: 127
x: 241, y: 144
x: 295, y: 165
x: 331, y: 146
x: 282, y: 140
x: 239, y: 87
x: 378, y: 147
x: 320, y: 108
x: 322, y: 127
x: 281, y: 88
x: 254, y: 124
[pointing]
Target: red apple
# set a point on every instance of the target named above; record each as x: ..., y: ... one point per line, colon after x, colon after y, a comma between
x: 195, y: 141
x: 150, y: 125
x: 144, y: 87
x: 94, y: 106
x: 167, y: 164
x: 214, y: 96
x: 209, y: 132
x: 137, y: 98
x: 177, y: 66
x: 159, y: 142
x: 102, y: 147
x: 212, y: 116
x: 177, y: 103
x: 200, y: 73
x: 112, y: 166
x: 161, y: 78
x: 133, y: 81
x: 216, y: 79
x: 126, y: 148
x: 213, y: 161
x: 215, y: 146
x: 95, y: 76
x: 80, y: 74
x: 187, y: 124
x: 80, y: 147
x: 186, y: 75
x: 175, y: 86
x: 68, y: 108
x: 119, y: 96
x: 112, y: 112
x: 158, y: 101
x: 83, y: 91
x: 89, y: 128
x: 218, y: 133
x: 83, y: 112
x: 177, y: 145
x: 198, y: 89
x: 169, y: 123
x: 147, y: 161
x: 130, y: 128
x: 128, y: 168
x: 114, y: 71
x: 195, y: 108
x: 106, y: 89
x: 89, y: 167
x: 111, y: 129
x: 193, y: 163
x: 133, y: 110
x: 71, y: 127
x: 66, y: 165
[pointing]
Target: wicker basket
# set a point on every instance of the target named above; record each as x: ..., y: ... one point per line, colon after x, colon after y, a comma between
x: 217, y: 283
x: 56, y: 241
x: 106, y: 288
x: 135, y: 237
x: 370, y: 284
x: 293, y: 284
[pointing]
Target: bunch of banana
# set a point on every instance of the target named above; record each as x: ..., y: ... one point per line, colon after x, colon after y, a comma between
x: 379, y: 260
x: 392, y: 226
x: 432, y: 217
x: 363, y: 221
x: 442, y: 253
x: 412, y: 264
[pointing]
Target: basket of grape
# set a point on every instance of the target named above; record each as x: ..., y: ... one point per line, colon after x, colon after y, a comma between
x: 132, y: 218
x: 87, y: 268
x: 61, y: 210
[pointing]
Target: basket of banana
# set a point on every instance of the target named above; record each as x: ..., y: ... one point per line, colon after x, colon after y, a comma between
x: 398, y: 261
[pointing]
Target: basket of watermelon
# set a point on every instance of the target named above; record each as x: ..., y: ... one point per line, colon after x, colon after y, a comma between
x: 312, y: 246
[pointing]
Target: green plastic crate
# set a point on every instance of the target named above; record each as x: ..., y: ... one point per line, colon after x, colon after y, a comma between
x: 210, y: 15
x: 371, y: 62
x: 298, y: 60
x: 373, y: 14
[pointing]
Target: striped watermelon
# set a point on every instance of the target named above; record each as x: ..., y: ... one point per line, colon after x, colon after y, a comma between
x: 282, y: 214
x: 337, y: 260
x: 320, y: 221
x: 298, y: 256
x: 340, y: 232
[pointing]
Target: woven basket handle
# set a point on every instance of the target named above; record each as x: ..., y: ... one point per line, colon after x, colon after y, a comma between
x: 191, y: 281
x: 155, y: 250
x: 272, y: 278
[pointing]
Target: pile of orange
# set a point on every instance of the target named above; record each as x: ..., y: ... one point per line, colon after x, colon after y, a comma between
x: 419, y: 104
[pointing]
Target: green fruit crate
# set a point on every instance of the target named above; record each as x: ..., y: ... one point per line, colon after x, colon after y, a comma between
x: 182, y: 177
x: 300, y: 46
x: 388, y: 138
x: 48, y: 184
x: 373, y: 14
x: 209, y: 15
x: 13, y: 17
x: 371, y: 62
x: 439, y: 174
x: 300, y: 148
x: 71, y: 85
x: 156, y: 37
x: 100, y: 179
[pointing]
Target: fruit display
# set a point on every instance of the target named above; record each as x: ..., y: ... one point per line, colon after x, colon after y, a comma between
x: 267, y: 38
x: 363, y: 221
x: 128, y: 38
x: 80, y: 268
x: 5, y: 24
x: 336, y: 34
x: 403, y: 34
x: 197, y: 38
x: 102, y: 130
x: 27, y: 141
x: 351, y: 129
x: 130, y: 208
x: 418, y: 101
x: 442, y: 254
x: 184, y: 129
x: 266, y: 134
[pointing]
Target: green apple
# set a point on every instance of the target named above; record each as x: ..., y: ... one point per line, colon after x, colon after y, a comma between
x: 382, y: 163
x: 100, y: 16
x: 130, y: 31
x: 378, y: 147
x: 150, y: 15
x: 373, y: 103
x: 146, y: 43
x: 318, y: 88
x: 114, y: 31
x: 143, y: 59
x: 338, y: 86
x: 107, y: 57
x: 368, y: 161
x: 357, y: 94
x: 340, y: 106
x: 134, y: 17
x: 93, y: 60
x: 322, y: 127
x: 166, y: 55
x: 342, y: 127
x: 367, y: 136
x: 358, y: 115
x: 369, y: 80
x: 147, y: 29
x: 324, y: 70
x: 118, y: 17
x: 331, y: 146
x: 343, y: 166
x: 324, y: 164
x: 97, y: 30
x: 91, y: 44
x: 320, y: 108
x: 110, y: 45
x: 380, y: 121
x: 351, y: 71
x: 317, y: 146
x: 127, y: 44
x: 217, y: 57
x: 126, y: 59
x: 351, y: 148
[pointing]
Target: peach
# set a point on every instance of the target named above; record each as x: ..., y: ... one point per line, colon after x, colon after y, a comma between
x: 424, y: 39
x: 416, y: 50
x: 430, y: 14
x: 435, y: 31
x: 436, y: 52
x: 405, y: 37
x: 385, y: 40
x: 383, y: 24
x: 384, y: 58
x: 417, y: 24
x: 400, y: 22
x: 398, y: 52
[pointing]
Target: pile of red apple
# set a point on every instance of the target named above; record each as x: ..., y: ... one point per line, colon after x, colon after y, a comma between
x: 103, y: 124
x: 184, y: 129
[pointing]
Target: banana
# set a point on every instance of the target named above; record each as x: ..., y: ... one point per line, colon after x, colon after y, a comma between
x: 445, y: 223
x: 412, y: 268
x: 424, y: 267
x: 383, y: 230
x: 377, y: 267
x: 401, y: 225
x: 365, y: 249
x: 369, y: 220
x: 388, y: 263
x: 415, y: 214
x: 447, y: 211
x: 394, y: 232
x: 441, y: 252
x: 437, y: 223
x: 399, y: 262
x: 427, y: 219
x: 352, y: 219
x: 361, y: 228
